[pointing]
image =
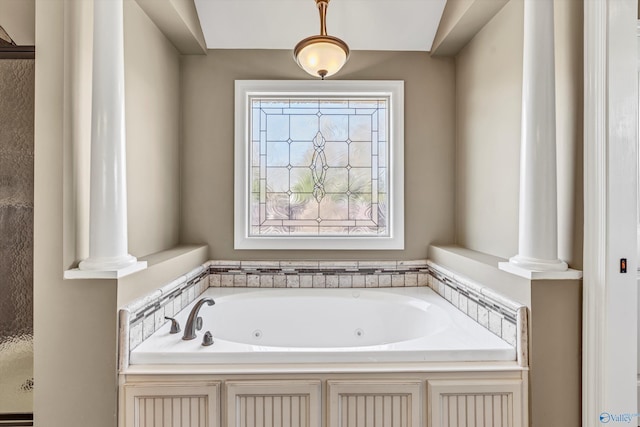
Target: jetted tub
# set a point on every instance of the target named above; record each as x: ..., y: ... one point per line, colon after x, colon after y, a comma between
x: 325, y: 325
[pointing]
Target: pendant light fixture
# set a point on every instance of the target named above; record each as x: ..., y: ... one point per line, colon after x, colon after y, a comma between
x: 321, y: 55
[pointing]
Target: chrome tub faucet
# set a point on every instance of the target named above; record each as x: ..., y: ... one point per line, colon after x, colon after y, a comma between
x: 194, y: 322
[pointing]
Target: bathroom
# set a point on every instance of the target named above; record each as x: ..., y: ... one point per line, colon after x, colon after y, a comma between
x: 462, y: 143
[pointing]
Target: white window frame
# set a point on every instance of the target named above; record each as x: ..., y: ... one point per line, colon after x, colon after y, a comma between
x: 393, y: 89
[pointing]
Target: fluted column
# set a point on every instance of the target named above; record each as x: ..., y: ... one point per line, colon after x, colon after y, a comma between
x: 538, y: 226
x: 108, y: 245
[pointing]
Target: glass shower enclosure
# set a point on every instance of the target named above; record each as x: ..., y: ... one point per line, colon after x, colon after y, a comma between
x: 16, y: 236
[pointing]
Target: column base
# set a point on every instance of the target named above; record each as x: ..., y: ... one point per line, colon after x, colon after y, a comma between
x: 107, y: 263
x: 533, y: 269
x: 113, y: 273
x: 535, y: 264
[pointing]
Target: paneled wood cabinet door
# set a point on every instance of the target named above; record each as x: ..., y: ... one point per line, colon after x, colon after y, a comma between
x: 191, y: 404
x: 295, y: 403
x: 476, y: 403
x: 374, y: 403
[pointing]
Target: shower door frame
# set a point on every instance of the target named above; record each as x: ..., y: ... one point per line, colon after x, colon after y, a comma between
x: 18, y: 52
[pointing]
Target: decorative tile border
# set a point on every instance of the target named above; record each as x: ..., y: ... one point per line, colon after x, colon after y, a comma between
x: 318, y: 274
x: 142, y: 317
x: 503, y: 317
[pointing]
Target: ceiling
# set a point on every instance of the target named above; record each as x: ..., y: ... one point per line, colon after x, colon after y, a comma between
x: 279, y: 24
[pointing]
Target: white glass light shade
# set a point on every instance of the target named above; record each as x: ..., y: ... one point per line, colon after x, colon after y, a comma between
x: 321, y: 56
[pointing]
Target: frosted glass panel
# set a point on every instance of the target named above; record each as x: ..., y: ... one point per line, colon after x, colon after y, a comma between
x: 16, y: 235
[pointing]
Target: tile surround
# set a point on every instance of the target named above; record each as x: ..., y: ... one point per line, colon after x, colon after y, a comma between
x: 500, y: 315
x: 317, y: 274
x: 142, y: 317
x: 503, y: 317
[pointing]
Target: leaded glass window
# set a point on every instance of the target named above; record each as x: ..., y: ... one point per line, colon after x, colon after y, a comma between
x: 316, y: 166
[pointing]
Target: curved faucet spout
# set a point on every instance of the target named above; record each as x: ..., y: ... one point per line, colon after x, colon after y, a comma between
x: 194, y: 322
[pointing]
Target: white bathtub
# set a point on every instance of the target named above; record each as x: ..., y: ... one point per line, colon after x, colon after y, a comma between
x: 326, y: 325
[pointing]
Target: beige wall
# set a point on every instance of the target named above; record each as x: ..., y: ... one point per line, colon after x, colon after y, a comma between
x: 454, y: 11
x: 152, y: 85
x: 17, y: 17
x: 569, y: 136
x: 208, y: 117
x: 75, y: 321
x: 460, y: 22
x: 555, y: 353
x: 488, y: 110
x: 488, y: 106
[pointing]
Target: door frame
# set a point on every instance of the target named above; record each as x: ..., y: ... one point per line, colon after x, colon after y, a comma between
x: 610, y: 203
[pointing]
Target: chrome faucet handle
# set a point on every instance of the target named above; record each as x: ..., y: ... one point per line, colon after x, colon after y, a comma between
x: 198, y: 323
x: 175, y: 326
x: 207, y: 340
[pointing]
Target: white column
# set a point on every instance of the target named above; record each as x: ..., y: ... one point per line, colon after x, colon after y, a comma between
x: 108, y: 247
x: 538, y: 226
